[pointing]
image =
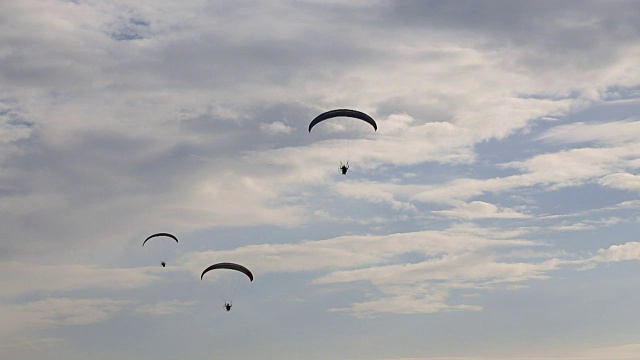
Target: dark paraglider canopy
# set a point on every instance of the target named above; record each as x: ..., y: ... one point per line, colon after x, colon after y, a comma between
x: 346, y: 113
x: 230, y: 266
x: 160, y: 234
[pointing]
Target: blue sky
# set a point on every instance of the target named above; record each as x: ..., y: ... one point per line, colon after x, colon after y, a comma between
x: 493, y: 215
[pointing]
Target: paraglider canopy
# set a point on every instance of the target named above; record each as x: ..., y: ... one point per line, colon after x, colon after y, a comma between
x: 343, y: 112
x: 160, y: 234
x: 230, y: 266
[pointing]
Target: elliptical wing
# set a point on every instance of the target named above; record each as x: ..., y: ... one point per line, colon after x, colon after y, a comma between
x: 346, y: 113
x: 230, y: 266
x: 160, y: 234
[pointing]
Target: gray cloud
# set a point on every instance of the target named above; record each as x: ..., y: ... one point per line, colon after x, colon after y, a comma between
x: 118, y: 119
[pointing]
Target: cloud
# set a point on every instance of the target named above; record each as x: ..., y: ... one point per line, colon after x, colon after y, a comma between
x: 615, y: 352
x: 55, y: 312
x: 471, y: 271
x: 622, y: 181
x: 359, y: 190
x: 165, y: 307
x: 276, y: 128
x: 354, y: 251
x: 463, y: 259
x: 481, y: 210
x: 586, y: 224
x: 604, y: 133
x: 453, y: 267
x: 553, y: 170
x: 459, y: 258
x: 29, y: 278
x: 412, y: 299
x: 624, y: 252
x: 154, y: 125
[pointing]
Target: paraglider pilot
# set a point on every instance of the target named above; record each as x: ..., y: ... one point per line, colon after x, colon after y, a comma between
x: 344, y: 167
x: 227, y: 305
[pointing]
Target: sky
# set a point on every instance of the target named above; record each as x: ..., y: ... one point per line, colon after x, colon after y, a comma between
x: 493, y: 214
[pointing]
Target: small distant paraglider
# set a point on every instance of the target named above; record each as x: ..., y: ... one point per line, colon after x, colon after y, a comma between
x: 161, y: 235
x: 344, y: 167
x: 354, y: 114
x: 229, y: 266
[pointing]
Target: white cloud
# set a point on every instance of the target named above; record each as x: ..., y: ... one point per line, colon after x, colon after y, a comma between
x: 453, y: 267
x: 358, y: 190
x: 275, y: 128
x: 354, y: 251
x: 27, y: 278
x: 623, y: 181
x: 457, y: 256
x: 579, y: 226
x: 412, y: 299
x: 606, y: 133
x: 586, y: 224
x: 554, y: 171
x: 54, y: 312
x: 165, y: 307
x: 590, y: 352
x: 625, y: 252
x: 470, y: 271
x: 481, y: 210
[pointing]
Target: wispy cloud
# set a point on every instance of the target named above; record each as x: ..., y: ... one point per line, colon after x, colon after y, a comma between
x: 55, y: 312
x: 481, y: 210
x: 165, y: 307
x: 28, y: 278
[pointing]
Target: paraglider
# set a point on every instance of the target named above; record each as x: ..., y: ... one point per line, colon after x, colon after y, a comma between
x: 344, y: 167
x: 348, y: 113
x: 345, y: 113
x: 162, y: 246
x: 229, y: 266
